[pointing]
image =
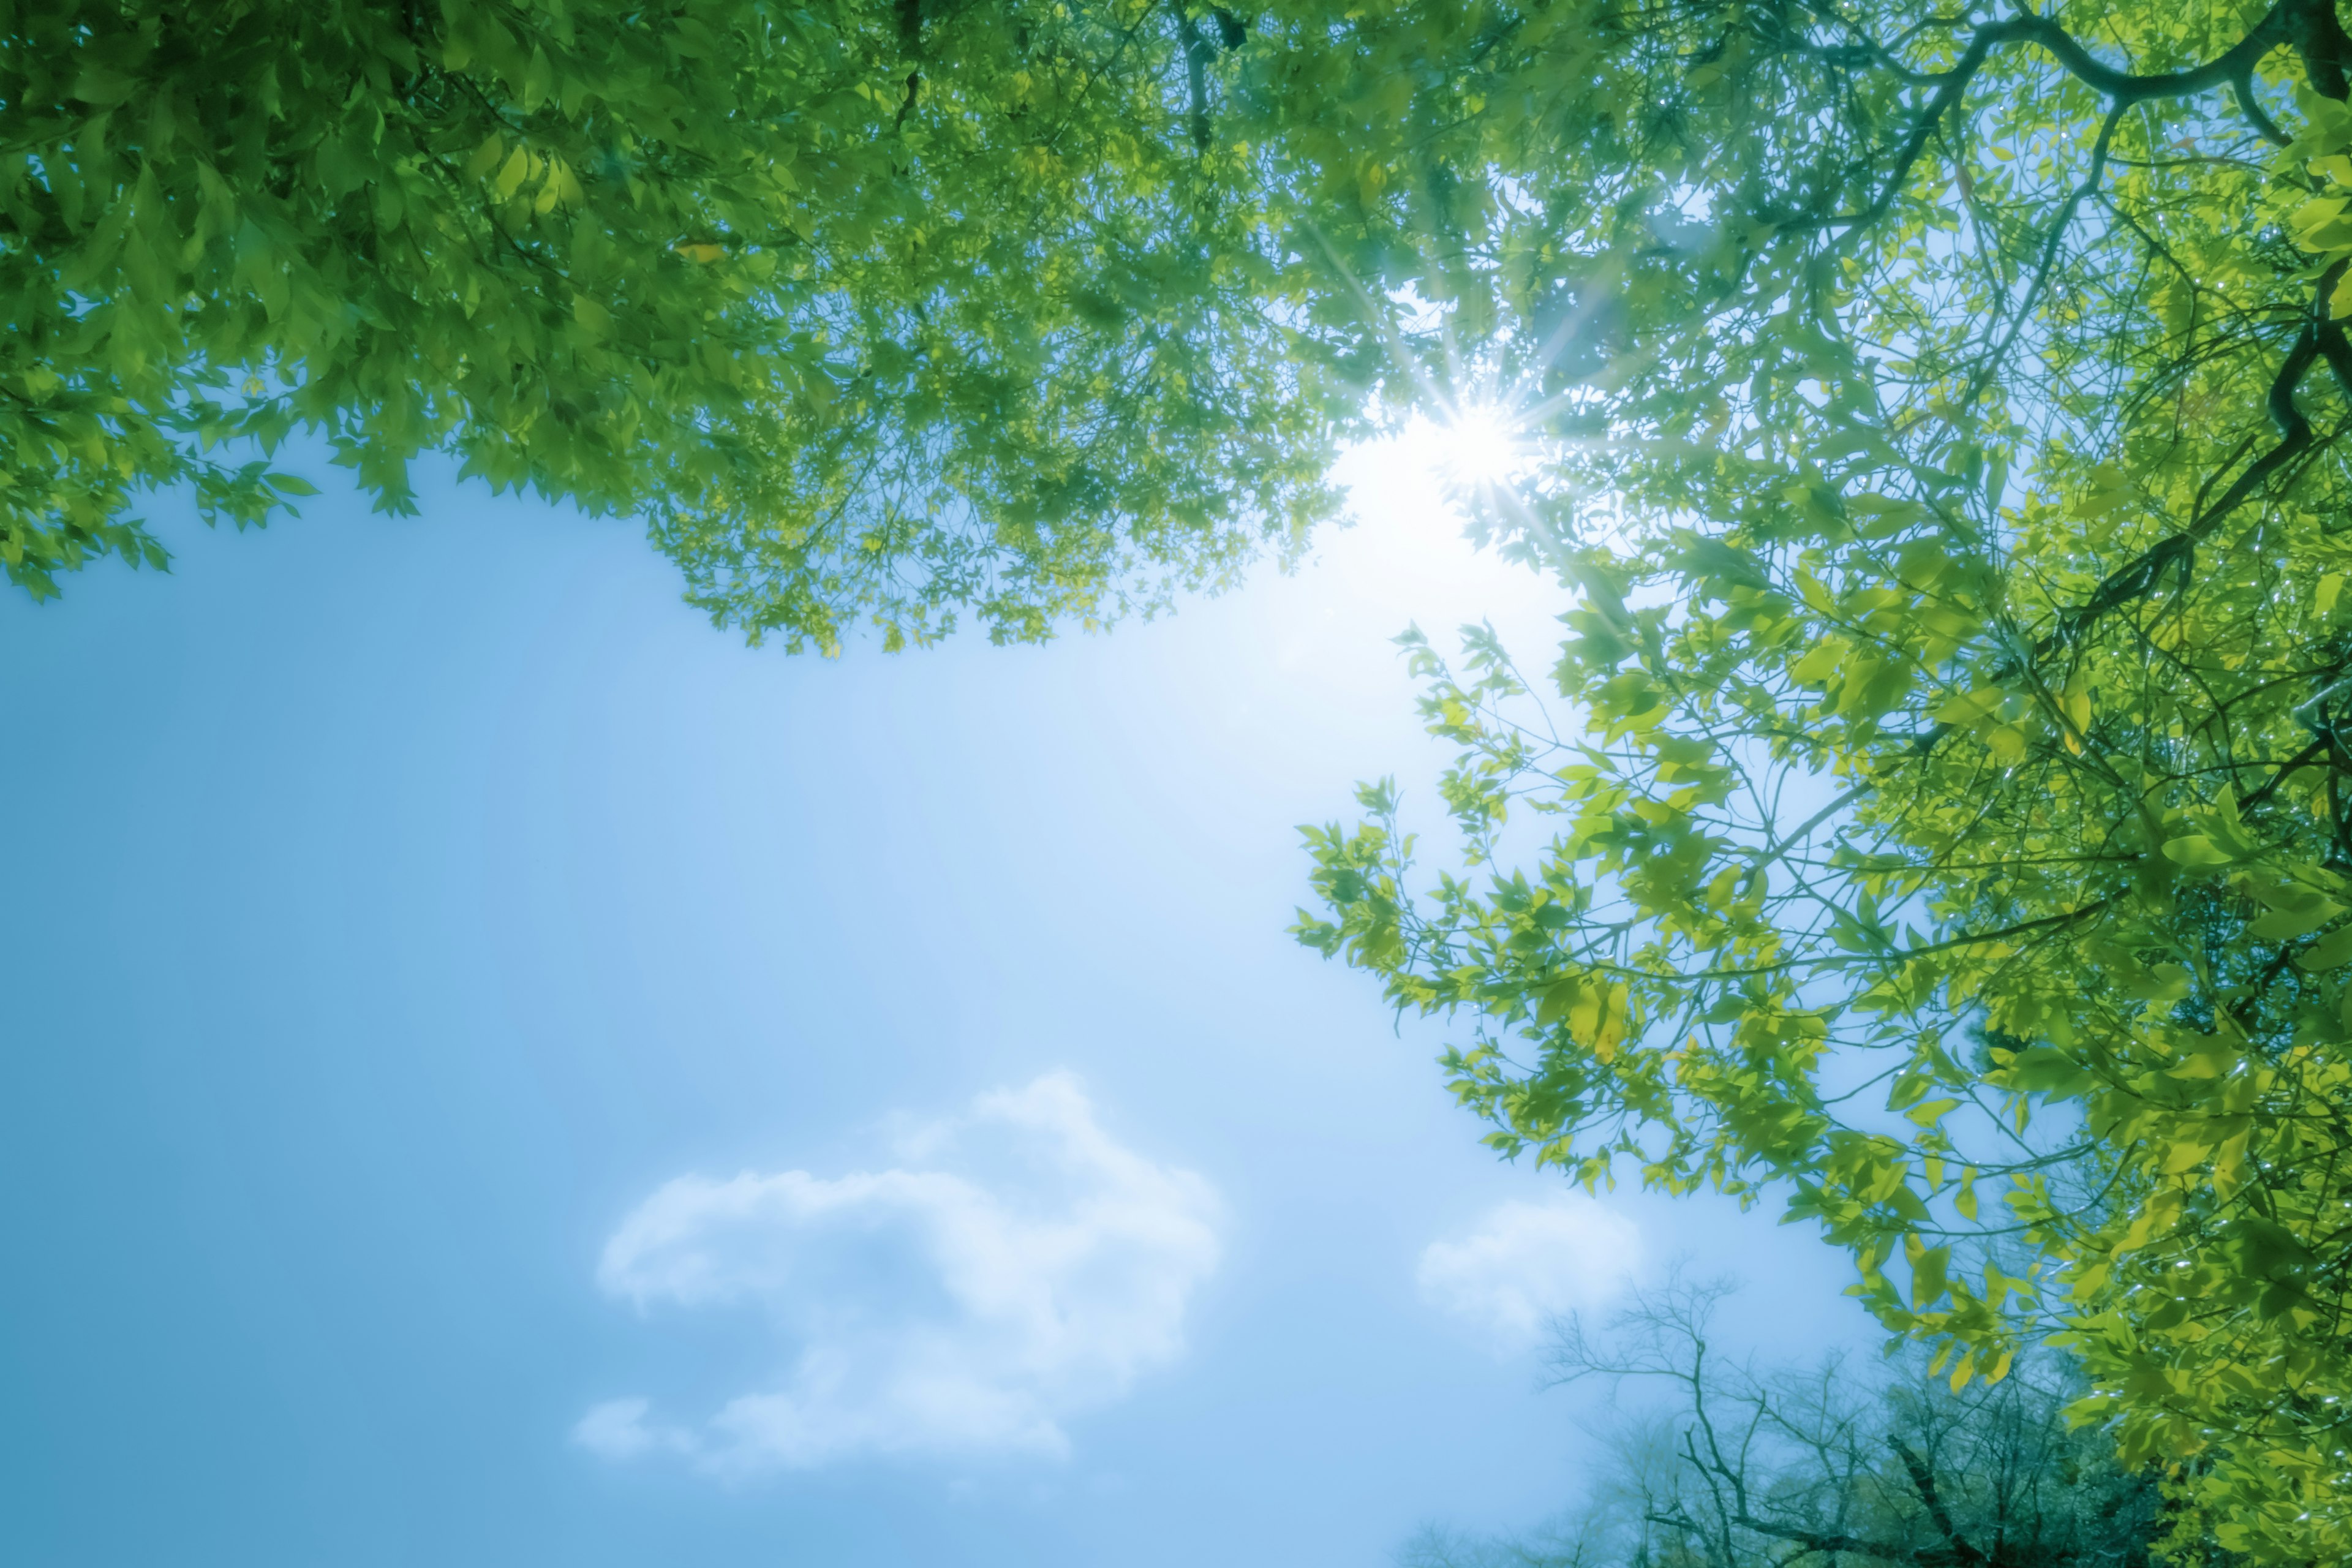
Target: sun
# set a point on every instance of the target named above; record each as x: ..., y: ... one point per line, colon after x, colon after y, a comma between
x: 1475, y: 446
x: 1478, y: 448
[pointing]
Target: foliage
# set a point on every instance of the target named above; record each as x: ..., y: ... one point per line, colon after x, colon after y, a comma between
x: 1742, y: 1467
x: 1942, y: 418
x: 877, y: 308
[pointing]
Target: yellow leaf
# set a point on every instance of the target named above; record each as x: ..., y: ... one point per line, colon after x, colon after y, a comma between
x: 2184, y: 1156
x: 592, y: 314
x: 565, y: 183
x: 1558, y: 998
x: 1972, y: 708
x: 510, y: 178
x: 2229, y: 1161
x: 1818, y: 665
x: 2196, y: 850
x: 2316, y: 213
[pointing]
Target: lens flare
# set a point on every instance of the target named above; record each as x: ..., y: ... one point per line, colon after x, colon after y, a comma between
x: 1477, y: 447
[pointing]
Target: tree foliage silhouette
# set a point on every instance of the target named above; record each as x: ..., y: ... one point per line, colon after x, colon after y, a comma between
x: 1941, y: 417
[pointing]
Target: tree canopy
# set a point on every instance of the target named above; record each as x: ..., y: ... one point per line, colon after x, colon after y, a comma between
x: 876, y: 311
x: 1937, y: 814
x: 1939, y: 415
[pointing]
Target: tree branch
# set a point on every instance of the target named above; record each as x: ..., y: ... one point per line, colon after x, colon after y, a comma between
x: 1197, y: 54
x: 2136, y: 579
x: 1815, y: 1541
x: 2124, y: 88
x: 2050, y: 252
x: 1923, y: 1481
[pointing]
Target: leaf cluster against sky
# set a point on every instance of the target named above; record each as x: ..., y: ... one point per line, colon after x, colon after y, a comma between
x: 1945, y: 419
x: 1940, y: 418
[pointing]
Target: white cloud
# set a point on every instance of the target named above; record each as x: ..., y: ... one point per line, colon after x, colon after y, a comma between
x: 618, y: 1430
x: 1524, y: 1263
x: 1017, y: 1267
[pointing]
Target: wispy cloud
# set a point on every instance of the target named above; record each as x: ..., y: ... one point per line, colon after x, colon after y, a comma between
x: 1524, y: 1263
x: 1016, y: 1267
x: 618, y: 1430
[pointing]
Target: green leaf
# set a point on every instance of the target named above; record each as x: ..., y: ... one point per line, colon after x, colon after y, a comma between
x: 2329, y: 953
x: 2197, y: 852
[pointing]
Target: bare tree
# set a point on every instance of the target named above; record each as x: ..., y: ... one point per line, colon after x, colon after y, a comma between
x: 1723, y: 1463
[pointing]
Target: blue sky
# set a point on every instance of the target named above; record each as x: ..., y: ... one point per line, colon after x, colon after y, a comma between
x: 498, y: 1072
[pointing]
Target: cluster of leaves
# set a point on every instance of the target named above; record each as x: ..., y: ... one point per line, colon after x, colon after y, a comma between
x: 1742, y: 1466
x: 875, y: 308
x: 1944, y: 418
x: 1943, y: 422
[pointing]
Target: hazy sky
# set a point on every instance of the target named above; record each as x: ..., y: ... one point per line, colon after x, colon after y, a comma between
x: 496, y: 1072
